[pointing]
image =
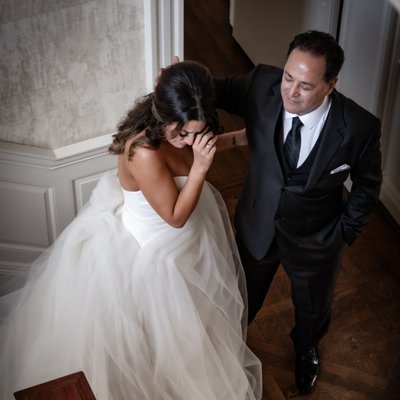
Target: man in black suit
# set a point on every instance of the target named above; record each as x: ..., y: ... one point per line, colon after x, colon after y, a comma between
x: 292, y: 209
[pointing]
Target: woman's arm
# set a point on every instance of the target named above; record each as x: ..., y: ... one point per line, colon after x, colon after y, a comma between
x: 155, y: 180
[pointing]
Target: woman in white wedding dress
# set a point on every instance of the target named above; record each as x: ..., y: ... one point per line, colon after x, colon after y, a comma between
x: 144, y: 291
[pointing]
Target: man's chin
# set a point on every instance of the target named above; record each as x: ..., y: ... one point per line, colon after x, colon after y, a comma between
x: 291, y: 107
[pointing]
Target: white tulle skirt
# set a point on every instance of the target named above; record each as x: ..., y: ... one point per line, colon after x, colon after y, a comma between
x: 164, y: 319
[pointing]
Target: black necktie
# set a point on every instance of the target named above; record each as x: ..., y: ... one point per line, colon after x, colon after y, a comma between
x: 291, y: 148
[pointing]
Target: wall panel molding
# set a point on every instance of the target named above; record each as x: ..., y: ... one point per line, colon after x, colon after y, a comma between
x: 41, y: 191
x: 163, y: 35
x: 27, y: 214
x: 83, y: 188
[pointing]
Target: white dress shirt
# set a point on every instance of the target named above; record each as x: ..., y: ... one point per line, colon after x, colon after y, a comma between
x: 313, y: 123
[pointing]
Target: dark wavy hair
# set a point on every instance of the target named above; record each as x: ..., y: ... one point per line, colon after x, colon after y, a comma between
x: 321, y: 44
x: 184, y: 92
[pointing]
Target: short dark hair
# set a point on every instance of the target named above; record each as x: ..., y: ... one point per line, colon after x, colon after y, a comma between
x: 321, y: 44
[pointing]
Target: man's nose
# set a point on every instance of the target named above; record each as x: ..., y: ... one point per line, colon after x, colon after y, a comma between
x: 293, y: 90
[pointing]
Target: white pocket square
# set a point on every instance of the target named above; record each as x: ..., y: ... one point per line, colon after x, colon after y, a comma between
x: 341, y: 168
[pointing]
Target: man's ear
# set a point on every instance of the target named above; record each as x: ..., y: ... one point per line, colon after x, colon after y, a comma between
x: 331, y: 85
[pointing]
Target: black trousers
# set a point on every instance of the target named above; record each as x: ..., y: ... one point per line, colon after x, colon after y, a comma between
x: 312, y: 290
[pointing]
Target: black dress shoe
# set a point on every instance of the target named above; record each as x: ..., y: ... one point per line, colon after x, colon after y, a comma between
x: 307, y: 370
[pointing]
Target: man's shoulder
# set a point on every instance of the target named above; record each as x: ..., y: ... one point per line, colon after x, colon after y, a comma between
x: 270, y: 71
x: 264, y: 76
x: 351, y: 109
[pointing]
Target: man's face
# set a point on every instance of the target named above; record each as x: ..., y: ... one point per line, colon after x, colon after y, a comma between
x: 303, y: 87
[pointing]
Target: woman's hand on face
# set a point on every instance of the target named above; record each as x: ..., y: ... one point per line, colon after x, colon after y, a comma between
x: 204, y: 151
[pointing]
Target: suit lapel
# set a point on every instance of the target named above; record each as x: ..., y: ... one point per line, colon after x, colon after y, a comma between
x: 331, y: 139
x: 271, y: 110
x: 270, y: 123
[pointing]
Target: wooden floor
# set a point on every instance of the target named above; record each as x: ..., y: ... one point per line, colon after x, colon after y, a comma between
x: 360, y: 356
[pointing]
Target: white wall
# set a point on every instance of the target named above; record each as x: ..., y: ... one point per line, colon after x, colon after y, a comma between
x: 264, y: 29
x: 390, y: 194
x: 69, y: 69
x: 396, y: 4
x: 364, y: 34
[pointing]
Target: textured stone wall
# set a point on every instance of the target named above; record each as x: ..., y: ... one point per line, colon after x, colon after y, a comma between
x: 69, y: 69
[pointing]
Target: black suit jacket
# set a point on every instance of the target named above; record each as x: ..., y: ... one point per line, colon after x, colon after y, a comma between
x: 311, y: 220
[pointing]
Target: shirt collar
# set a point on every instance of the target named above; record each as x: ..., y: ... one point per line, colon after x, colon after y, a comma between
x: 311, y: 119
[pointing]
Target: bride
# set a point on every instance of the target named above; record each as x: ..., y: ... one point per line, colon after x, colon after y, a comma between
x: 144, y: 291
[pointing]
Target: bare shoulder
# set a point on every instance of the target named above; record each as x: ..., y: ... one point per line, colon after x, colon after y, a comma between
x: 136, y: 163
x: 143, y: 160
x: 145, y: 155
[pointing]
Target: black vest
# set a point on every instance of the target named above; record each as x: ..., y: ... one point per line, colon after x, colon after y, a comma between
x: 299, y: 176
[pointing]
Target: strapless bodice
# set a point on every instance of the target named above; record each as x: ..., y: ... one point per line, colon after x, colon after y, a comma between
x: 140, y: 218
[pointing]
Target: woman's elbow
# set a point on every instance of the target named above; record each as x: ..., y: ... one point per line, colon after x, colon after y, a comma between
x: 176, y: 222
